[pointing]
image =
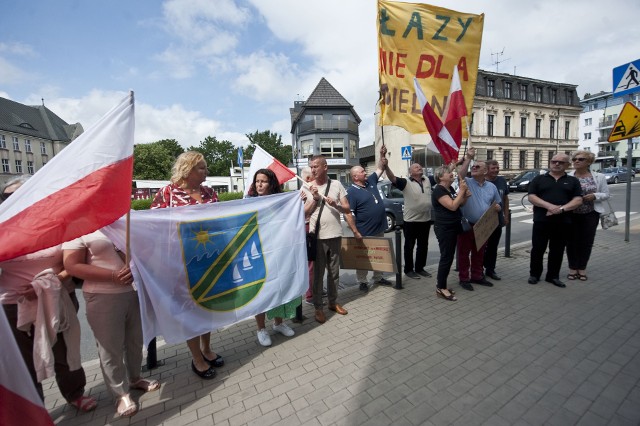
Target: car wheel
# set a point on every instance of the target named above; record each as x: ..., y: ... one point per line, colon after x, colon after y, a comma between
x: 615, y: 179
x: 633, y: 177
x: 391, y: 222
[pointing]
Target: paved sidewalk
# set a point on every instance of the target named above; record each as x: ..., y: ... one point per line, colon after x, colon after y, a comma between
x: 514, y: 354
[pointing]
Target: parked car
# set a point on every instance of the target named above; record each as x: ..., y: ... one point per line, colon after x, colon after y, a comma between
x: 521, y: 181
x: 617, y: 174
x: 393, y: 200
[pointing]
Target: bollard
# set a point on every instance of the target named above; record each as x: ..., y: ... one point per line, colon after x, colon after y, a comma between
x: 152, y: 355
x: 398, y: 258
x: 507, y: 240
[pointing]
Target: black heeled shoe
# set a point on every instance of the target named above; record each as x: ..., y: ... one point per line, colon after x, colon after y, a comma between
x: 450, y: 297
x: 208, y: 374
x: 217, y: 362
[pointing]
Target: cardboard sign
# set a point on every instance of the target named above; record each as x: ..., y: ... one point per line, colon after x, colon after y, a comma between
x: 369, y: 254
x: 485, y: 226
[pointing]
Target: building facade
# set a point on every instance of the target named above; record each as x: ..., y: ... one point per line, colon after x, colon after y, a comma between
x: 599, y: 114
x: 29, y: 137
x: 522, y: 122
x: 326, y: 124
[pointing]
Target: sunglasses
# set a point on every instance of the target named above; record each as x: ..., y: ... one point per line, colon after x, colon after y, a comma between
x: 5, y: 195
x: 558, y: 162
x: 578, y: 159
x: 475, y: 167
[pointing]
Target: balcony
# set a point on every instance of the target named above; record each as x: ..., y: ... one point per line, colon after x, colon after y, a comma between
x: 614, y: 154
x: 319, y: 125
x: 606, y: 122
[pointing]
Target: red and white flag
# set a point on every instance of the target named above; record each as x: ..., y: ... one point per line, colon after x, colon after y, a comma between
x: 21, y: 404
x: 263, y: 160
x: 446, y: 137
x: 83, y: 188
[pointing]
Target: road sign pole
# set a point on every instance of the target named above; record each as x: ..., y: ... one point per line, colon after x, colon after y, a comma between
x: 627, y: 222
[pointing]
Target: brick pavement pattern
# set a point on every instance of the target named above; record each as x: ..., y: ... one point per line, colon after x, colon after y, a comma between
x: 514, y: 354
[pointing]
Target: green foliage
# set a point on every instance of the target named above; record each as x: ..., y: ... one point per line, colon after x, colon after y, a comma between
x: 270, y: 142
x: 219, y: 155
x: 153, y: 161
x: 228, y: 196
x: 141, y: 204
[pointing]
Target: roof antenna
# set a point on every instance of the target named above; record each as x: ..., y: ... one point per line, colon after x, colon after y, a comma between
x: 498, y: 61
x: 42, y: 101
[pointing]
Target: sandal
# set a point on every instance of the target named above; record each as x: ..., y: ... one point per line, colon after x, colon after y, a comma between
x: 145, y: 385
x: 217, y: 362
x: 126, y: 407
x: 573, y: 276
x: 582, y: 277
x: 450, y: 297
x: 84, y: 403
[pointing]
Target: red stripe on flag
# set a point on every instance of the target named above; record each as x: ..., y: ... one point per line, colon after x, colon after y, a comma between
x: 281, y: 171
x: 18, y: 411
x: 87, y: 205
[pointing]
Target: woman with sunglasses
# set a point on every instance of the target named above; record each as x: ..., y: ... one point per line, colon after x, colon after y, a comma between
x: 585, y: 219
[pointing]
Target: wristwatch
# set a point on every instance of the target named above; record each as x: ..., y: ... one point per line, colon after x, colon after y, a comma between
x: 562, y: 209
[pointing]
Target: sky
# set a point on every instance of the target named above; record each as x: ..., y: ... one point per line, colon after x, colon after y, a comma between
x: 226, y: 68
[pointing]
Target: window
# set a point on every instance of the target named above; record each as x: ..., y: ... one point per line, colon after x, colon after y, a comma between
x: 490, y: 87
x: 538, y: 126
x: 523, y: 159
x: 30, y: 168
x: 588, y: 121
x: 566, y: 129
x: 569, y: 97
x: 353, y: 148
x: 636, y: 100
x: 537, y: 159
x: 554, y: 96
x: 587, y: 136
x: 3, y: 142
x: 27, y: 145
x: 306, y: 147
x: 490, y: 125
x: 43, y: 148
x: 523, y: 92
x: 332, y: 148
x: 507, y: 125
x: 18, y: 166
x: 523, y: 127
x: 489, y: 154
x: 5, y: 166
x: 551, y: 154
x: 507, y: 89
x: 552, y: 129
x: 16, y: 144
x: 538, y: 94
x: 506, y: 160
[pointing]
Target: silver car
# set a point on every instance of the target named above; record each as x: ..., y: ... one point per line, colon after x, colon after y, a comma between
x: 617, y: 174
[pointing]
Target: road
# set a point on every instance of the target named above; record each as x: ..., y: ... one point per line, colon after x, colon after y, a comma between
x: 520, y: 234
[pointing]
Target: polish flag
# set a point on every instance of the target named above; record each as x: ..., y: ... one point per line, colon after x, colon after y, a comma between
x: 263, y: 160
x: 454, y: 110
x: 83, y: 188
x: 435, y: 126
x: 21, y: 404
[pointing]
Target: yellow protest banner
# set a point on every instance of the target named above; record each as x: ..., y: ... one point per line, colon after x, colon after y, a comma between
x: 426, y: 42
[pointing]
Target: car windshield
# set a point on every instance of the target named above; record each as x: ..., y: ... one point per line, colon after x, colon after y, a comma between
x: 608, y: 170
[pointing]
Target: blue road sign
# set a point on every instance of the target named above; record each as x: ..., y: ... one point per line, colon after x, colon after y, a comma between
x: 406, y: 152
x: 626, y: 78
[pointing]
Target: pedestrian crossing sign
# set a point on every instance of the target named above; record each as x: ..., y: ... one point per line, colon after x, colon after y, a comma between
x: 626, y: 78
x: 406, y: 152
x: 628, y: 124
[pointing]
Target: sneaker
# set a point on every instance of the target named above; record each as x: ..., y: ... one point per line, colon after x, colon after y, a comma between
x: 383, y: 281
x: 423, y: 273
x: 283, y: 329
x: 308, y: 301
x: 263, y: 337
x: 364, y: 287
x: 413, y: 275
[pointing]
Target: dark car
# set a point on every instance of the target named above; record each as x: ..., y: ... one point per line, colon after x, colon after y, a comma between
x: 617, y: 174
x: 522, y: 180
x: 393, y: 204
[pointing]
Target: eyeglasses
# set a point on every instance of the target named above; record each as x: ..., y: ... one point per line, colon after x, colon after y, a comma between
x: 578, y: 159
x: 5, y: 195
x: 558, y: 162
x: 475, y: 167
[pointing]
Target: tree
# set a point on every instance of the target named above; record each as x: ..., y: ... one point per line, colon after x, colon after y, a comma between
x: 270, y: 142
x: 152, y: 161
x: 172, y: 146
x: 219, y: 155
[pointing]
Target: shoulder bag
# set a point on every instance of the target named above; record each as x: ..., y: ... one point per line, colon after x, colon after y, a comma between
x: 607, y: 220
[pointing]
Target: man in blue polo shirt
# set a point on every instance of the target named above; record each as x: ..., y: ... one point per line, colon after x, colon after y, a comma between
x: 483, y: 195
x: 368, y: 208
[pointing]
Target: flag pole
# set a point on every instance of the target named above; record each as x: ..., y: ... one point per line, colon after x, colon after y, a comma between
x: 128, y: 240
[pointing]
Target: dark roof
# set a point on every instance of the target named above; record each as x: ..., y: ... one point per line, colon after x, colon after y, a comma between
x: 365, y: 153
x: 323, y: 96
x: 37, y: 121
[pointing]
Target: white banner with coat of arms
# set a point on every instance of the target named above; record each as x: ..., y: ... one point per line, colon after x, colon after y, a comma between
x: 202, y: 267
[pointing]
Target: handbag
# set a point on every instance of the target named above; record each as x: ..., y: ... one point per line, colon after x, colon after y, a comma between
x: 312, y: 237
x: 607, y: 220
x: 466, y: 226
